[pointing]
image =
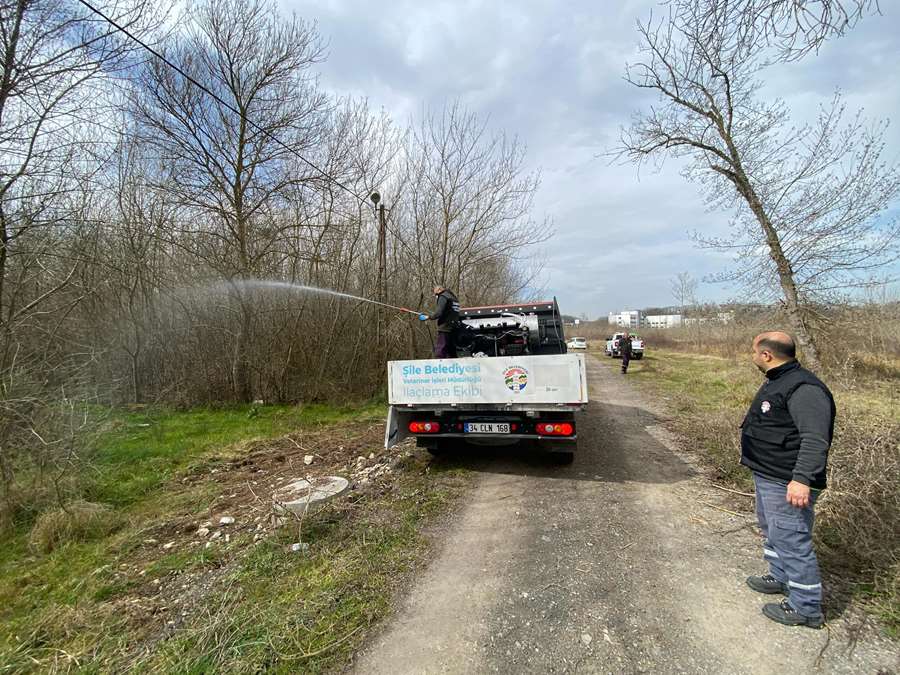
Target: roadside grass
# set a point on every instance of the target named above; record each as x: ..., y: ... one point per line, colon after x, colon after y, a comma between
x: 83, y: 606
x: 140, y: 450
x: 284, y: 612
x: 857, y: 537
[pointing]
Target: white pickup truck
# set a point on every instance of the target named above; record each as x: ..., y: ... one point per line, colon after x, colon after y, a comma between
x: 519, y: 385
x: 637, y: 346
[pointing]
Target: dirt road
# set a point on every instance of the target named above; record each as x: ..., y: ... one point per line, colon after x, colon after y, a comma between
x: 611, y: 565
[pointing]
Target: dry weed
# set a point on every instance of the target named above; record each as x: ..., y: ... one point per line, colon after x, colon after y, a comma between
x: 76, y: 521
x: 861, y: 509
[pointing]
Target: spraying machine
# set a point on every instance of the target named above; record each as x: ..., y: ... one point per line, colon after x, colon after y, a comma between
x: 514, y: 383
x: 511, y: 330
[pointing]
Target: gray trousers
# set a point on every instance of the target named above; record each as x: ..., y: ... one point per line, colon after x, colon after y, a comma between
x: 787, y: 545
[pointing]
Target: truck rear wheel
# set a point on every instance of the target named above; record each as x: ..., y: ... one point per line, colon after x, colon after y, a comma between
x: 439, y: 447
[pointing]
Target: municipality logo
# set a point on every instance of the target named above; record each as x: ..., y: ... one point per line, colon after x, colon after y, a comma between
x: 516, y: 378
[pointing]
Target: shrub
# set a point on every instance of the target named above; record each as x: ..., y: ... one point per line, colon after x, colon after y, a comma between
x: 77, y: 521
x: 861, y: 508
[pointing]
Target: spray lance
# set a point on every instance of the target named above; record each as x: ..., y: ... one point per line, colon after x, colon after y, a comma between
x: 402, y: 309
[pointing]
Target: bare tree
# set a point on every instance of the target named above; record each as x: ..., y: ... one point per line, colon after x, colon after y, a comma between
x: 807, y: 196
x: 793, y: 28
x: 235, y: 162
x: 466, y: 201
x: 57, y: 59
x: 684, y: 290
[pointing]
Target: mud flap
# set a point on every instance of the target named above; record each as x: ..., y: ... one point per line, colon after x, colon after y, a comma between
x: 395, y: 430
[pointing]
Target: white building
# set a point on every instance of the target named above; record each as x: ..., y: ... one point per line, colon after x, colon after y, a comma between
x: 662, y: 320
x: 629, y: 318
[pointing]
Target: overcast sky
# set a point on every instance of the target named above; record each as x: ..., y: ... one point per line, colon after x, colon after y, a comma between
x: 551, y: 74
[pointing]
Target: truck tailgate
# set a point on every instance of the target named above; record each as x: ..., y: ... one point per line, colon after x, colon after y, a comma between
x: 502, y: 380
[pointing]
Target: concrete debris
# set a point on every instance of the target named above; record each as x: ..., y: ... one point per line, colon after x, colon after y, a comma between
x: 364, y: 474
x: 299, y: 547
x: 216, y: 534
x: 371, y: 455
x: 586, y: 639
x: 308, y: 459
x: 203, y: 531
x: 170, y: 545
x: 226, y: 520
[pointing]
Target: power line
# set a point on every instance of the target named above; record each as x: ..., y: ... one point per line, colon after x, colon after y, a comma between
x: 218, y: 99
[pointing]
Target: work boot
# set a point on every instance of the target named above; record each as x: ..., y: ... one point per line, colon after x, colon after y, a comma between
x: 783, y: 613
x: 767, y: 584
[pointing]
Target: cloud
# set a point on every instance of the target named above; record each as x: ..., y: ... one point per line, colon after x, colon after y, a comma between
x: 551, y: 74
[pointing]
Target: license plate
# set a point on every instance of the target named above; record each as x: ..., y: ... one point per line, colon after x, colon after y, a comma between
x: 487, y: 428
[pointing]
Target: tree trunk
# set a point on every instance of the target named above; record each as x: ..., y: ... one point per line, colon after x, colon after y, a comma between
x: 240, y: 364
x: 792, y: 300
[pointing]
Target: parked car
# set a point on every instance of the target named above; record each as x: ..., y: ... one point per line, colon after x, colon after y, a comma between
x: 637, y: 346
x: 577, y: 343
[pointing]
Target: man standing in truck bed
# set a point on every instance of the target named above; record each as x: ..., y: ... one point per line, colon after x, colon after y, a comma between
x: 447, y: 317
x: 625, y: 350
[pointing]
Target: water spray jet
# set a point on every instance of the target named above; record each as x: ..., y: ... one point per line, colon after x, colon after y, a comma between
x: 260, y: 283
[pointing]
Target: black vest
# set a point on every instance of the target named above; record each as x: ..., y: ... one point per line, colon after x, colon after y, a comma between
x: 449, y: 318
x: 770, y: 440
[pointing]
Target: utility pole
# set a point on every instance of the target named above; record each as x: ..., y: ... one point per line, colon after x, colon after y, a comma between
x: 382, y: 254
x: 380, y: 250
x: 380, y: 273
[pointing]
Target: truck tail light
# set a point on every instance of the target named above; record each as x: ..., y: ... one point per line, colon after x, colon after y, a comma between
x: 554, y: 429
x: 424, y: 427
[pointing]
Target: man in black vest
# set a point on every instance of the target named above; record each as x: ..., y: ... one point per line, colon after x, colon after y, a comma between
x: 785, y: 438
x: 625, y: 350
x: 447, y: 317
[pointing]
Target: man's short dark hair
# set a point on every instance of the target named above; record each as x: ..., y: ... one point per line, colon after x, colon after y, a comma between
x: 784, y: 349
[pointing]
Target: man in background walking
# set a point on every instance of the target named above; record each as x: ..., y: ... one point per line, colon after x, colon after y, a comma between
x: 447, y: 317
x: 785, y: 438
x: 625, y: 350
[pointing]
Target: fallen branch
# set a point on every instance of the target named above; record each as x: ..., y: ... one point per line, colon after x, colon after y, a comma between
x: 819, y: 659
x: 719, y: 508
x: 307, y: 655
x: 742, y: 494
